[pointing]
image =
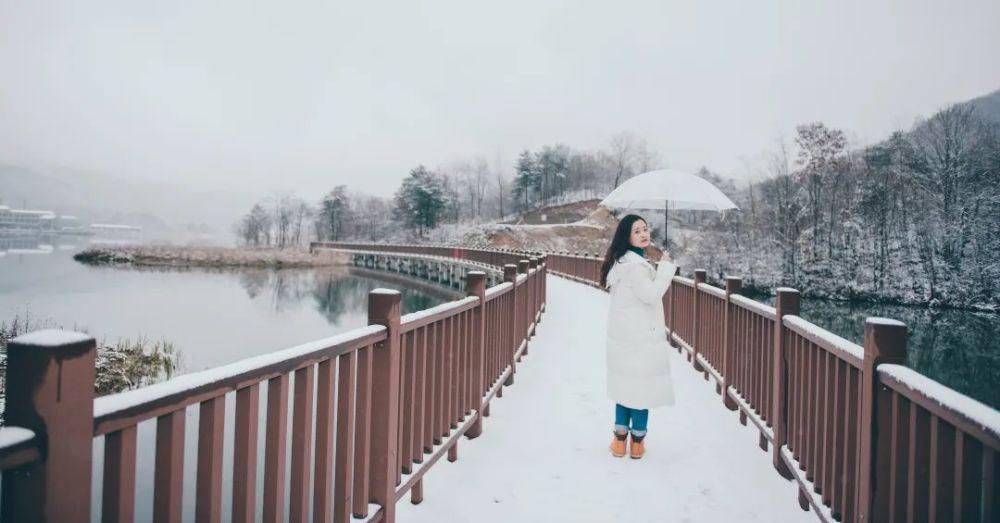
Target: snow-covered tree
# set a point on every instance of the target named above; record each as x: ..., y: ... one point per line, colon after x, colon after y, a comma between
x: 526, y: 179
x: 421, y: 200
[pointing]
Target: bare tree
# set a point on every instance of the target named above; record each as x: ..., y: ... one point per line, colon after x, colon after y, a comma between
x: 622, y: 154
x: 819, y: 147
x: 480, y: 179
x: 302, y: 213
x: 646, y: 157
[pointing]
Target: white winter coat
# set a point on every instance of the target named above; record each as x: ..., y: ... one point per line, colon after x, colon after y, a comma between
x: 637, y: 349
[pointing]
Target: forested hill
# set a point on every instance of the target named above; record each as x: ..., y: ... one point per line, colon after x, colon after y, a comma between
x: 987, y: 107
x: 914, y: 219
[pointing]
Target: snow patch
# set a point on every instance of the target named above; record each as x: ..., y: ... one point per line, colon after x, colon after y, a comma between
x: 51, y: 338
x: 885, y: 321
x: 10, y: 436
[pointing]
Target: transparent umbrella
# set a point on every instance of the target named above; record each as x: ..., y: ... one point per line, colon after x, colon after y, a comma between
x: 668, y: 189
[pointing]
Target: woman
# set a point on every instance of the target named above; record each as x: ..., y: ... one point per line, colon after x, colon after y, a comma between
x: 637, y: 350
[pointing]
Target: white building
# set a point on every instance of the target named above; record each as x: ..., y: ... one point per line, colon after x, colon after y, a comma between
x: 26, y: 219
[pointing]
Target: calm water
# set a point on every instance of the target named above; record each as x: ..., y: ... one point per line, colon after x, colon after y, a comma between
x: 957, y: 348
x: 212, y: 317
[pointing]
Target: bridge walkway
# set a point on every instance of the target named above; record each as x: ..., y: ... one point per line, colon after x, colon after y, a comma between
x: 543, y: 453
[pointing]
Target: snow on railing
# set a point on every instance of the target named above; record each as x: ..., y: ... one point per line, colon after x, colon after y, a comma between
x: 760, y: 308
x: 18, y: 446
x: 255, y: 368
x: 847, y: 350
x: 498, y: 289
x: 955, y: 407
x: 714, y: 291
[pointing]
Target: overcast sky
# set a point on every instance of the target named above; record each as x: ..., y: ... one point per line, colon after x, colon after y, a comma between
x: 300, y: 98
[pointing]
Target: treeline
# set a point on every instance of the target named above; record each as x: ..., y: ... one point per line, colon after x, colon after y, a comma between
x: 465, y: 191
x: 914, y: 219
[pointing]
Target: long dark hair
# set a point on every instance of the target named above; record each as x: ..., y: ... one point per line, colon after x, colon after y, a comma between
x: 619, y: 245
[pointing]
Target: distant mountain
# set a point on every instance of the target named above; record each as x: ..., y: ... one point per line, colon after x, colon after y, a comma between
x: 164, y: 210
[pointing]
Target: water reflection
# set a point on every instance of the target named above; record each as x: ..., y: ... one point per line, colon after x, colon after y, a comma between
x: 955, y: 347
x: 337, y: 291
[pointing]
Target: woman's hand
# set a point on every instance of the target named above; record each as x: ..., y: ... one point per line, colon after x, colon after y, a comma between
x: 665, y: 257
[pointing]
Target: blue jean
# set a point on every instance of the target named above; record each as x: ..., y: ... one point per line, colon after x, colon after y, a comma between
x: 634, y: 418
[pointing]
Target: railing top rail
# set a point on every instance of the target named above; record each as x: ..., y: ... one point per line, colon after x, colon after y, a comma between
x: 714, y: 291
x: 848, y: 351
x: 498, y: 290
x: 125, y: 409
x: 684, y: 281
x: 415, y: 320
x: 965, y: 413
x: 18, y: 446
x: 754, y: 306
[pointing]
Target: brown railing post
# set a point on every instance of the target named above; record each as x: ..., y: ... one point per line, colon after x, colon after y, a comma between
x: 383, y: 309
x: 525, y: 312
x: 475, y: 285
x: 510, y: 275
x: 545, y: 274
x: 733, y: 286
x: 699, y: 277
x: 673, y: 307
x: 786, y: 302
x: 885, y: 342
x: 536, y: 288
x: 50, y: 391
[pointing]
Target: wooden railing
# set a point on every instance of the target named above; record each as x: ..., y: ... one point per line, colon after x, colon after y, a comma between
x: 368, y: 413
x: 866, y: 438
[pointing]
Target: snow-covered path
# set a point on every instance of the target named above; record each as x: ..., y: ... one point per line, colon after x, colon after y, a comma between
x: 543, y: 453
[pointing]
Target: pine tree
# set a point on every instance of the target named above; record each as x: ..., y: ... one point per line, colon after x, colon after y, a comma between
x: 421, y: 200
x: 526, y: 178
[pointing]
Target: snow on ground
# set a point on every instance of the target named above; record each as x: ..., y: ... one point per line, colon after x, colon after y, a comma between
x: 543, y: 453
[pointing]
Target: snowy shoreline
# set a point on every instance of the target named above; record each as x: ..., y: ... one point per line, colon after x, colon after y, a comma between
x: 174, y: 256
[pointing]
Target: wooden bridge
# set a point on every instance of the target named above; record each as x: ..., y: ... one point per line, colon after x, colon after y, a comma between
x: 371, y: 411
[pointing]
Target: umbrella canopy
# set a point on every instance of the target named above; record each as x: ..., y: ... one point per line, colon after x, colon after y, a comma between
x: 668, y: 189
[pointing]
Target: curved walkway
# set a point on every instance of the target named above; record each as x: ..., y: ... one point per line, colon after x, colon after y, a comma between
x: 543, y: 453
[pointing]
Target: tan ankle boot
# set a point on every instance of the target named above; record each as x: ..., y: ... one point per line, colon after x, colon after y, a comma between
x: 637, y: 448
x: 618, y: 444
